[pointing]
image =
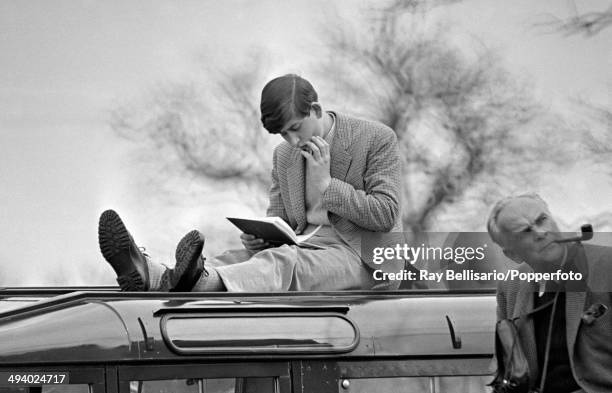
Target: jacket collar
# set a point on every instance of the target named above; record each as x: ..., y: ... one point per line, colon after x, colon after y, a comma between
x: 340, y: 156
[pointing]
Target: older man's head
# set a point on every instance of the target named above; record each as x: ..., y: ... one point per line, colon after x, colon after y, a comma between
x: 526, y: 231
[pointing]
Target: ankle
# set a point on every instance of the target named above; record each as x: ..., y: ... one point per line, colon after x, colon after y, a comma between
x: 159, y: 275
x: 209, y: 281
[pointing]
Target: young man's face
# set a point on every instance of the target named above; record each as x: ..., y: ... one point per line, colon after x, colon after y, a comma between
x: 298, y: 131
x: 528, y: 234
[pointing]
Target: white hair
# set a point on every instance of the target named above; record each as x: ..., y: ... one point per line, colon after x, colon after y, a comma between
x: 492, y: 227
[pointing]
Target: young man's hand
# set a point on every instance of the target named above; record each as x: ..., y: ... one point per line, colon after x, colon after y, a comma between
x: 252, y: 243
x: 318, y: 161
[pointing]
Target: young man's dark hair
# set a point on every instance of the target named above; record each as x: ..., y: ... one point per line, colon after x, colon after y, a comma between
x: 284, y: 98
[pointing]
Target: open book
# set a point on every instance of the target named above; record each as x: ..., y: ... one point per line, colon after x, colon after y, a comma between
x: 274, y: 230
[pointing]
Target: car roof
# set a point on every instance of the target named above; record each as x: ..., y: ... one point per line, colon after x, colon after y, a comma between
x: 100, y: 324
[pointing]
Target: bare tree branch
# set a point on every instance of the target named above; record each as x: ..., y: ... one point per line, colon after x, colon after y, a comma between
x: 210, y: 129
x: 596, y: 131
x: 464, y: 125
x: 588, y: 23
x: 455, y: 117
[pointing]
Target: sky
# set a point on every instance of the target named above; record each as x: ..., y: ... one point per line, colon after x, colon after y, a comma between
x: 67, y: 63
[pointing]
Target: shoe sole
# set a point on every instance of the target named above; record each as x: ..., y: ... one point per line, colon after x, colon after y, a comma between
x: 116, y: 245
x: 188, y: 252
x: 113, y: 238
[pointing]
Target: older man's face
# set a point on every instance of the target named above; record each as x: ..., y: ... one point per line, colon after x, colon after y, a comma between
x: 528, y: 234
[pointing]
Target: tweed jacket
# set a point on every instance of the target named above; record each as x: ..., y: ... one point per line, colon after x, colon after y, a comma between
x: 589, y: 345
x: 363, y: 198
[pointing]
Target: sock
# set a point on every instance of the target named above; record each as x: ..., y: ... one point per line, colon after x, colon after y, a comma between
x: 156, y: 271
x: 210, y: 283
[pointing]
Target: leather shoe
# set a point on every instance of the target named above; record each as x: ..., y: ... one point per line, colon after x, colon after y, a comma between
x: 189, y: 262
x: 120, y: 250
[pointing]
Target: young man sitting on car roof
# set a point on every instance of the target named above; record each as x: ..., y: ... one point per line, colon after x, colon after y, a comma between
x: 331, y: 170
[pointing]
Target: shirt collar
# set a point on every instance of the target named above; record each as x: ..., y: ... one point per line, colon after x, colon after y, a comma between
x: 542, y: 283
x: 330, y: 134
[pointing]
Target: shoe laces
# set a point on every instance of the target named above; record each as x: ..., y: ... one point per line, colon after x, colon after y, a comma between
x: 143, y: 251
x: 205, y: 272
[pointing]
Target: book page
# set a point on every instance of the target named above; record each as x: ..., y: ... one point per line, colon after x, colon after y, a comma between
x: 305, y: 236
x: 277, y: 222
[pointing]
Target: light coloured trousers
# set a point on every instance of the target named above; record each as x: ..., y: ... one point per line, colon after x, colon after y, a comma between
x: 288, y: 268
